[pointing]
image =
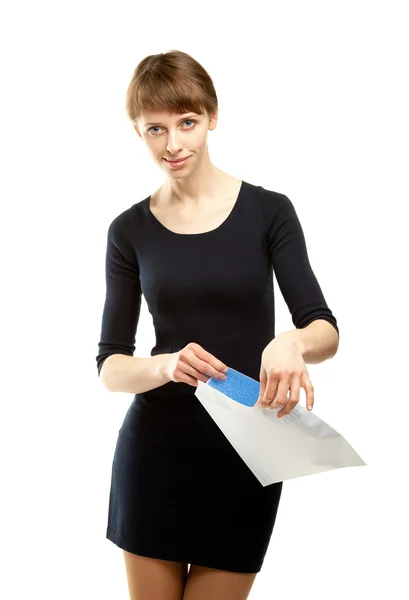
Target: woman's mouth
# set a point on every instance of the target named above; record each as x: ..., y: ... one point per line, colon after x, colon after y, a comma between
x: 177, y: 164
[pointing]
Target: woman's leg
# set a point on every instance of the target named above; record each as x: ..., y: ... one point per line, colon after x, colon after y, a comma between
x: 204, y: 583
x: 153, y: 578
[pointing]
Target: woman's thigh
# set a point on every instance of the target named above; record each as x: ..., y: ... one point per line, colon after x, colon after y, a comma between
x: 204, y: 583
x: 153, y: 578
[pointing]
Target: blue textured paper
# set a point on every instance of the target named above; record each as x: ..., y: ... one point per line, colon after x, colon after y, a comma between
x: 238, y: 387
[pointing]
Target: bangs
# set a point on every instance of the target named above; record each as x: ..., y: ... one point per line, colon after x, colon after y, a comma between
x: 177, y: 96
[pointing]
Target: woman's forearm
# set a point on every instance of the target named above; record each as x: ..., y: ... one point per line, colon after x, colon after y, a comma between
x: 132, y: 374
x: 317, y: 342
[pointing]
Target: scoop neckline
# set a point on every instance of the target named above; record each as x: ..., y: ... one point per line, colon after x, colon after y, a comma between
x: 203, y: 233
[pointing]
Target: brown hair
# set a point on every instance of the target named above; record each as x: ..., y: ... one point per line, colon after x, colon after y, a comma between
x: 172, y: 81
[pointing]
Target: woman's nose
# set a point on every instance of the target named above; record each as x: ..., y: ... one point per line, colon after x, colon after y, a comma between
x: 173, y: 145
x: 173, y: 148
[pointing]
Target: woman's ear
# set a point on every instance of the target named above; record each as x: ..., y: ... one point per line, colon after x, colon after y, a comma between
x: 213, y: 119
x: 135, y: 126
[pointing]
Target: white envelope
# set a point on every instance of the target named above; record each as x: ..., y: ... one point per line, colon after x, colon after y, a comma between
x: 275, y: 449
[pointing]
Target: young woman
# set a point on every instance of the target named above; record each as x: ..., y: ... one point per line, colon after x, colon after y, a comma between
x: 201, y: 249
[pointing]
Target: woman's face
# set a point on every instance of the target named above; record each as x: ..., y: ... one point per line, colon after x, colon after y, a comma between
x: 174, y: 136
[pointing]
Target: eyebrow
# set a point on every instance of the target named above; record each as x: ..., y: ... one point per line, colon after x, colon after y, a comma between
x: 182, y: 119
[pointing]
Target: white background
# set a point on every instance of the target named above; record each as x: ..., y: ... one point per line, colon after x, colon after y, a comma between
x: 313, y: 103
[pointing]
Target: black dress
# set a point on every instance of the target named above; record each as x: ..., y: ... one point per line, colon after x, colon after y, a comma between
x: 179, y: 490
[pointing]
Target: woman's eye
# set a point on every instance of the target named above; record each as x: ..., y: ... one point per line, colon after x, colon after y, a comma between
x: 186, y: 121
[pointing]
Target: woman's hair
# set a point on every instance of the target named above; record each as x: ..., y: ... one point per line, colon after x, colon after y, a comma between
x: 172, y: 81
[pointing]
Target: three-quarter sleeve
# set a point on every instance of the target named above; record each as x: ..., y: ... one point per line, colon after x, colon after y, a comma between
x: 123, y: 294
x: 295, y: 277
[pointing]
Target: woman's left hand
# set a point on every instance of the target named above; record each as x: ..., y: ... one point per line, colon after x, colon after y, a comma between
x: 283, y: 369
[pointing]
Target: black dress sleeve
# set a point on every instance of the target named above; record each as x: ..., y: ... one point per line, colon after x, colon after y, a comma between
x: 295, y: 277
x: 123, y: 294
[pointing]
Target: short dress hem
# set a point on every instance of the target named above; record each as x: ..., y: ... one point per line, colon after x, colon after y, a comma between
x: 169, y: 554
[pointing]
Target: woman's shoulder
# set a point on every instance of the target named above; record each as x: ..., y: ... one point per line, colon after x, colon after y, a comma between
x: 126, y: 218
x: 270, y: 201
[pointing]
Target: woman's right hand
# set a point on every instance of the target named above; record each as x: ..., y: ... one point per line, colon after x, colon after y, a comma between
x: 194, y: 363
